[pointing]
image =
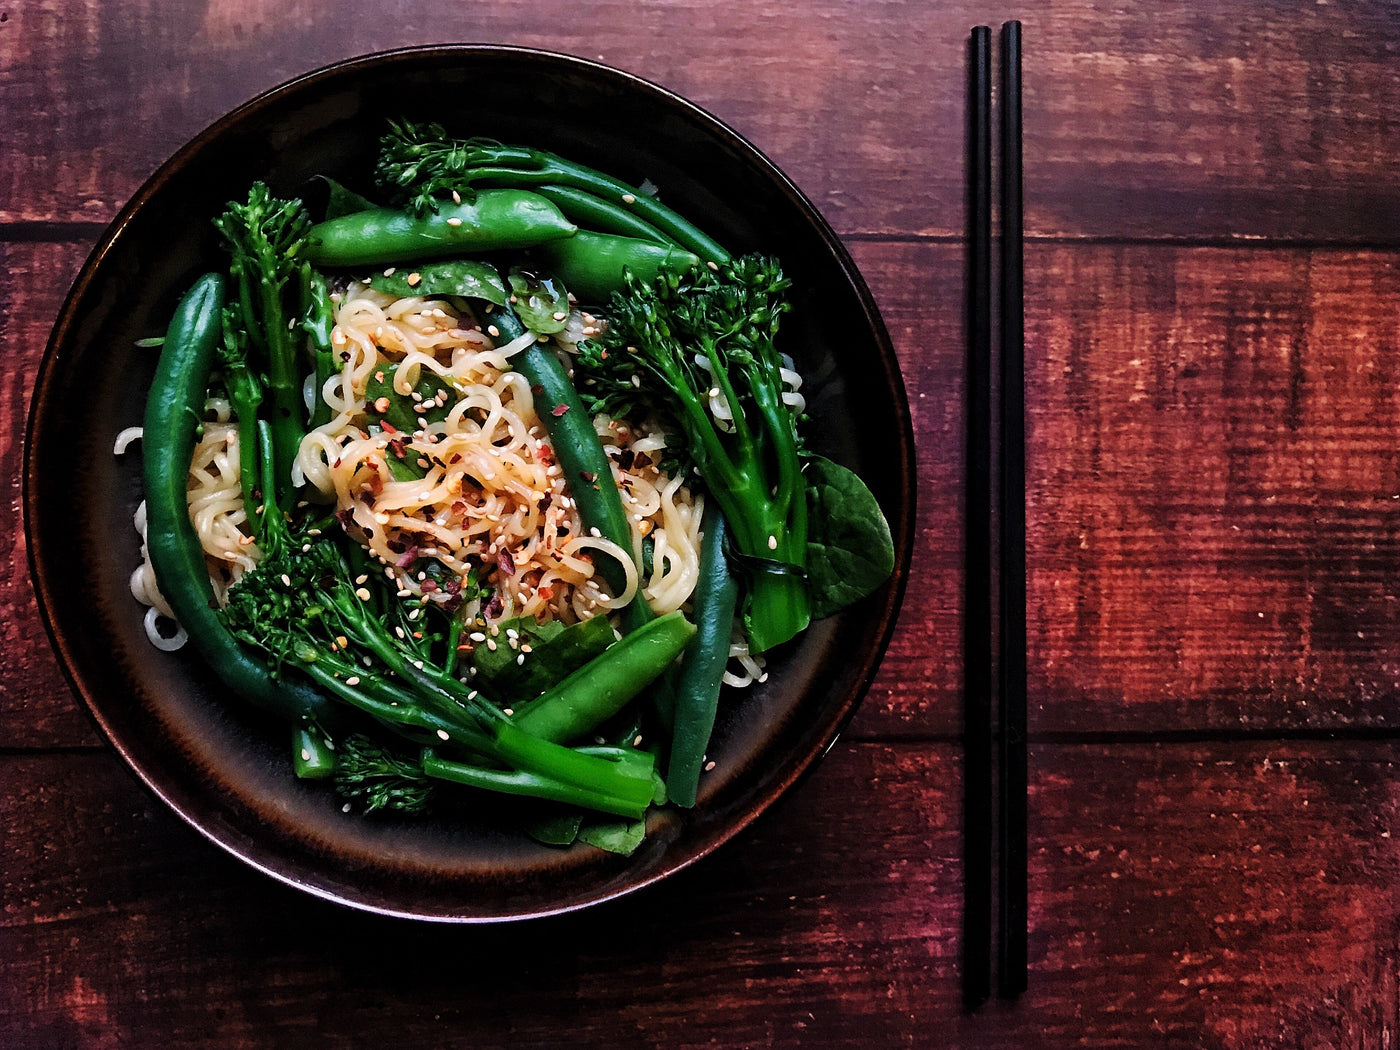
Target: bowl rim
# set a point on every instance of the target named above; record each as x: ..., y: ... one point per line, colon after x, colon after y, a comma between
x: 792, y: 768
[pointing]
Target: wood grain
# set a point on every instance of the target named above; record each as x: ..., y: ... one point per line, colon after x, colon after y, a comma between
x: 1216, y: 122
x: 36, y: 707
x: 1249, y: 890
x: 1215, y: 488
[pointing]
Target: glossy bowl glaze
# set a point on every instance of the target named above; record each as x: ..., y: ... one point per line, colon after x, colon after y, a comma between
x: 224, y: 768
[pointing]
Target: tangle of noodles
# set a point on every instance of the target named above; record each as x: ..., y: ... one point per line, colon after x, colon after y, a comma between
x: 493, y: 500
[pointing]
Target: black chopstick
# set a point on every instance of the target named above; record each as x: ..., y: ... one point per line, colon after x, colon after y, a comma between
x: 1011, y: 685
x: 979, y: 865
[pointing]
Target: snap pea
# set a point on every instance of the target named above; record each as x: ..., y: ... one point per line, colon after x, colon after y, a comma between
x: 592, y: 265
x: 697, y: 685
x: 492, y: 220
x: 603, y: 686
x: 594, y: 213
x: 173, y: 411
x: 517, y: 166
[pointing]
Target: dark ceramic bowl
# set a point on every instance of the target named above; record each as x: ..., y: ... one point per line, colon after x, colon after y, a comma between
x: 223, y: 768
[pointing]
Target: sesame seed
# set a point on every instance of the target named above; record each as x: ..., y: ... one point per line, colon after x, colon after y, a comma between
x: 519, y: 660
x: 362, y: 594
x: 637, y: 740
x: 362, y: 578
x: 354, y: 679
x: 414, y: 278
x: 491, y: 644
x: 709, y: 765
x: 454, y: 221
x: 628, y: 198
x: 456, y: 197
x: 560, y: 316
x: 305, y: 755
x: 443, y: 734
x: 772, y: 543
x: 492, y: 331
x: 390, y: 271
x: 345, y: 808
x: 286, y: 580
x: 713, y: 266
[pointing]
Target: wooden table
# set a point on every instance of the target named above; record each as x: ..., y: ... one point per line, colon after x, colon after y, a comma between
x: 1213, y: 331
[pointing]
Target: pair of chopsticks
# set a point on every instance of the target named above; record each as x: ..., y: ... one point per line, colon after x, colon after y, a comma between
x: 995, y: 890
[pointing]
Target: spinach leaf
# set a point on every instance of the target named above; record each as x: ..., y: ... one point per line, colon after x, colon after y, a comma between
x: 616, y: 837
x: 435, y: 399
x: 849, y: 550
x: 539, y: 301
x: 556, y: 651
x: 341, y: 200
x: 462, y: 277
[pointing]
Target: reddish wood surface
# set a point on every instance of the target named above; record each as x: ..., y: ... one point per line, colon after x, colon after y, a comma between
x: 1214, y: 517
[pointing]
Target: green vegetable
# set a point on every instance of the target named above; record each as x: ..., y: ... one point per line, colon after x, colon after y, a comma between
x: 556, y: 651
x: 849, y: 550
x: 539, y: 301
x: 174, y: 408
x: 614, y: 836
x: 304, y: 607
x: 313, y: 755
x: 318, y: 320
x: 701, y: 675
x: 586, y: 466
x: 602, y: 687
x: 535, y: 785
x: 467, y: 278
x: 245, y: 395
x: 379, y: 779
x: 594, y: 265
x: 750, y: 464
x: 602, y: 216
x: 420, y: 165
x: 265, y: 237
x: 491, y: 221
x: 404, y: 412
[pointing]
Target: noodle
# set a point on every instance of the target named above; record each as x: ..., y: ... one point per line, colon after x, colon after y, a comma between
x: 492, y: 500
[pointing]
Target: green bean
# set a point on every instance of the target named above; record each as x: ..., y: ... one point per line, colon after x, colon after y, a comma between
x: 313, y: 757
x: 697, y: 686
x: 603, y: 686
x: 586, y: 466
x: 173, y: 411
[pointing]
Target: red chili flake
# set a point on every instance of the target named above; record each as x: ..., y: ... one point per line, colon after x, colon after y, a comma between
x: 456, y: 458
x: 389, y: 428
x: 536, y: 390
x: 451, y: 605
x: 545, y: 501
x: 625, y: 458
x: 399, y: 447
x: 428, y: 586
x: 453, y: 586
x: 407, y: 558
x: 346, y: 516
x: 559, y: 410
x: 506, y: 562
x: 546, y: 592
x: 588, y: 476
x: 495, y: 607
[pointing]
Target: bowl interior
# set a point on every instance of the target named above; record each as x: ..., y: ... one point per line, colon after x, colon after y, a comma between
x: 222, y: 767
